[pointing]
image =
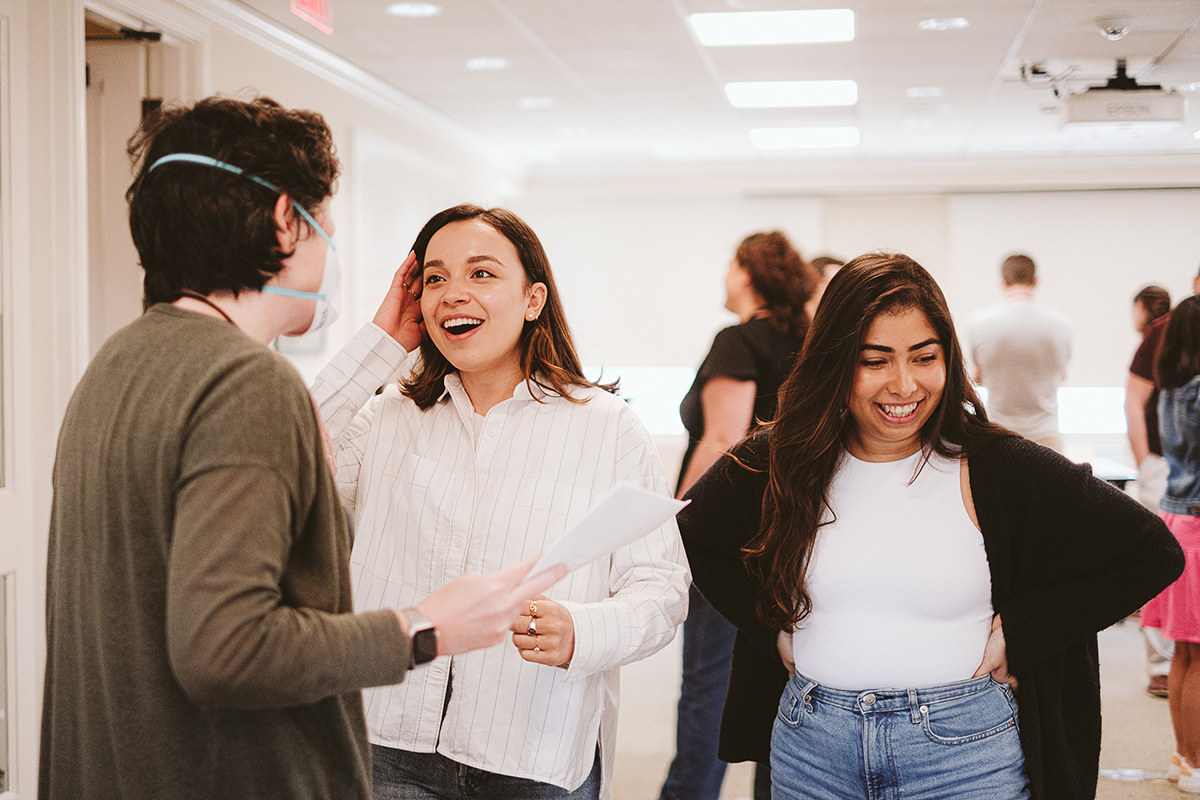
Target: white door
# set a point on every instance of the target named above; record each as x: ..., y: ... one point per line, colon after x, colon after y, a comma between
x: 115, y: 88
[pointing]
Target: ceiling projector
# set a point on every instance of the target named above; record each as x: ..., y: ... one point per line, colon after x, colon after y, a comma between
x: 1123, y: 103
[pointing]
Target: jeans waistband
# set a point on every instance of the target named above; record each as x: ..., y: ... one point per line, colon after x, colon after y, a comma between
x: 1188, y: 506
x: 876, y: 701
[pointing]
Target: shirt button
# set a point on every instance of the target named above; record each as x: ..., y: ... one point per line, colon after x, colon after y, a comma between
x: 869, y: 700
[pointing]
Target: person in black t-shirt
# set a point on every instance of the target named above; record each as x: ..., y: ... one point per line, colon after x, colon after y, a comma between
x: 767, y: 286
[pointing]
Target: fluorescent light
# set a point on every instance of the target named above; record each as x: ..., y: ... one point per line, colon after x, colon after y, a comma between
x: 535, y: 103
x: 726, y: 28
x: 803, y: 138
x: 489, y: 63
x: 1190, y: 87
x: 414, y: 10
x: 791, y: 94
x: 920, y: 92
x: 944, y: 24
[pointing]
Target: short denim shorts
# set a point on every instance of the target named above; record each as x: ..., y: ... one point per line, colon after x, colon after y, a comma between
x: 958, y: 741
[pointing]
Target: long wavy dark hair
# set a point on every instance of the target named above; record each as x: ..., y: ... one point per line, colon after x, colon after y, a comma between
x: 1178, y: 359
x: 548, y: 356
x: 782, y: 278
x: 811, y: 423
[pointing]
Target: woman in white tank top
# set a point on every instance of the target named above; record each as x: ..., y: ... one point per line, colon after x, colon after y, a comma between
x: 893, y: 537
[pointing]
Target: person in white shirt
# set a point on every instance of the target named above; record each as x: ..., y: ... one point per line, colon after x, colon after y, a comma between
x: 488, y: 447
x: 1020, y: 350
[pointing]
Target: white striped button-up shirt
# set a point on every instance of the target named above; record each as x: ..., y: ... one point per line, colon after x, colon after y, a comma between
x: 430, y: 502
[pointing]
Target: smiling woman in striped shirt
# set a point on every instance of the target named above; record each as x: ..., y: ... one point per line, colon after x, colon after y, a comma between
x: 490, y: 445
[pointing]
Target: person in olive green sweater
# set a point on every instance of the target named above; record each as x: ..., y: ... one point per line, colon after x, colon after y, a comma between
x: 200, y: 629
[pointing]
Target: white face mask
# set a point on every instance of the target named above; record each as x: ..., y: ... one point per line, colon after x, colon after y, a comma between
x: 328, y: 295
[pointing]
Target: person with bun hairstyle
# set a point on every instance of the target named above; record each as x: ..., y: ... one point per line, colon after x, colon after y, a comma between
x: 767, y: 286
x: 934, y: 583
x: 485, y: 444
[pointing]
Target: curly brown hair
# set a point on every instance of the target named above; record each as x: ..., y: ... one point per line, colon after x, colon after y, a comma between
x: 202, y: 229
x: 781, y: 278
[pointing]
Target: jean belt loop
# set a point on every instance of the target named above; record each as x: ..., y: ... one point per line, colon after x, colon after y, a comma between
x: 804, y: 695
x: 914, y: 706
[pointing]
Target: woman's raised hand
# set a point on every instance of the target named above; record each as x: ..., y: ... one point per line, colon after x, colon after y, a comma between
x: 545, y: 633
x: 995, y: 657
x: 399, y: 314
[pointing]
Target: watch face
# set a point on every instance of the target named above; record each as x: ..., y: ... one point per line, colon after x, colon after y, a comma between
x: 424, y: 646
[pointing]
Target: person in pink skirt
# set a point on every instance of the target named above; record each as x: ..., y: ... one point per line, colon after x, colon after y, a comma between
x: 1176, y: 612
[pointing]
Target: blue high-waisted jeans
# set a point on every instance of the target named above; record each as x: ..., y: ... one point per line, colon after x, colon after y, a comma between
x: 958, y: 741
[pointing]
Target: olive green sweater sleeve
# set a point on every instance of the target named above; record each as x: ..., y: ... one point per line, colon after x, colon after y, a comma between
x: 259, y: 608
x: 233, y: 637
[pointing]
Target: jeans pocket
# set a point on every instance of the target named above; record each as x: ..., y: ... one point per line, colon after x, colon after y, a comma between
x: 962, y: 720
x: 792, y: 707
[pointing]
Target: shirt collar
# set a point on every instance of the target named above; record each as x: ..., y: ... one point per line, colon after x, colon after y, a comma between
x: 453, y: 387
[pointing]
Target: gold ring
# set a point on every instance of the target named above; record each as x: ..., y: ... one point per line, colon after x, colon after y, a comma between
x: 533, y: 608
x: 532, y: 627
x: 537, y: 648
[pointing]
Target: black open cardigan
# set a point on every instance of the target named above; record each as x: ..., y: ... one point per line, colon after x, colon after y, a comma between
x: 1069, y: 555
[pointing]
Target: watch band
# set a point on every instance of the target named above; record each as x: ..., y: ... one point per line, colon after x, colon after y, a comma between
x: 422, y: 635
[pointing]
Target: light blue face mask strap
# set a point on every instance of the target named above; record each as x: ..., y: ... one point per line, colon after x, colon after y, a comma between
x: 293, y: 293
x: 212, y: 162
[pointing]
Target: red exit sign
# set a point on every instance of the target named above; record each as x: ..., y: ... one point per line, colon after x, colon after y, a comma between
x: 314, y: 12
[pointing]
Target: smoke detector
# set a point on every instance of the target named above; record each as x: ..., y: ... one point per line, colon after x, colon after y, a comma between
x: 1113, y: 28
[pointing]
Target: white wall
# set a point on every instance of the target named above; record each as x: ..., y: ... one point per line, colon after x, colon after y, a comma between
x: 643, y: 278
x: 1094, y: 250
x: 641, y: 273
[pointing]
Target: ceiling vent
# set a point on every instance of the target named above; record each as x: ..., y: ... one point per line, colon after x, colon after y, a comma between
x: 1123, y: 103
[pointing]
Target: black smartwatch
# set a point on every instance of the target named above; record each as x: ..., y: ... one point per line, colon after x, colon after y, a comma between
x: 422, y: 634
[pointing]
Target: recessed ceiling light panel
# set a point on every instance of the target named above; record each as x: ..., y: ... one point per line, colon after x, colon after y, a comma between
x: 791, y: 94
x: 488, y: 63
x: 803, y: 138
x: 944, y: 24
x: 535, y: 103
x: 923, y: 92
x: 731, y: 28
x: 414, y: 10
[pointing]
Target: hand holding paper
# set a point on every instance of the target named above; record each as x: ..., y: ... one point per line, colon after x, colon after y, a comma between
x: 624, y: 515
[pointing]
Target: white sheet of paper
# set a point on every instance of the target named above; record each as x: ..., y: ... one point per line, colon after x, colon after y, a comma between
x: 624, y: 515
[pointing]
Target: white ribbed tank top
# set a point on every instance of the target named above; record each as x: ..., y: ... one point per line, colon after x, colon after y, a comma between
x: 899, y: 581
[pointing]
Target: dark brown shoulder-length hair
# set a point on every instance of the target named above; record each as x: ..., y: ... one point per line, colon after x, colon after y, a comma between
x: 1178, y: 358
x: 548, y: 356
x: 782, y: 278
x: 805, y: 439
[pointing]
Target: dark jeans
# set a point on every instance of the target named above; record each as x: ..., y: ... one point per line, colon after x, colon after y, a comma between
x: 696, y: 773
x: 403, y: 775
